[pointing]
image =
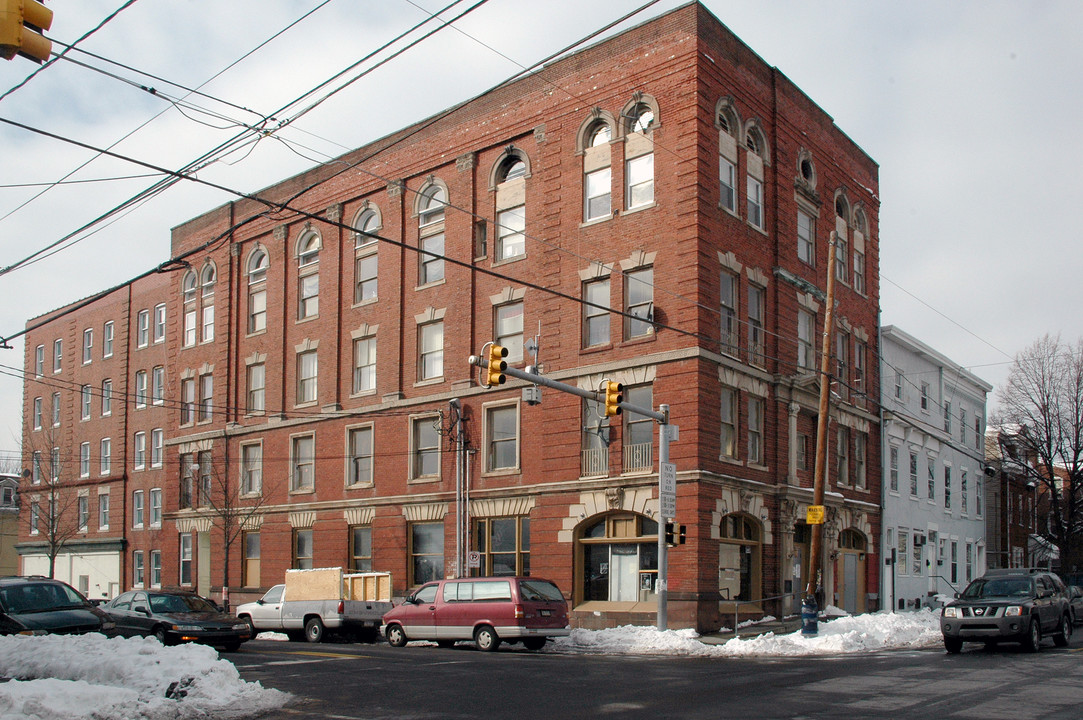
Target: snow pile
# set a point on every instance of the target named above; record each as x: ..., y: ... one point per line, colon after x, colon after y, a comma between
x: 840, y: 635
x: 91, y: 677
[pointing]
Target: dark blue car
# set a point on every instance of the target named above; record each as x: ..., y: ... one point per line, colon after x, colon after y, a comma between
x: 40, y: 605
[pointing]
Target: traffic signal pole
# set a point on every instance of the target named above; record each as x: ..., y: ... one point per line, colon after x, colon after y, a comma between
x: 494, y: 367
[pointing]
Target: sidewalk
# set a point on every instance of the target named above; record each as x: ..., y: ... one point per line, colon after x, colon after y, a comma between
x: 784, y: 626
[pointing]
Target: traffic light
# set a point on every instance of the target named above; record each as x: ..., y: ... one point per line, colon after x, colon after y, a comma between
x: 21, y: 26
x: 675, y: 534
x: 613, y: 398
x: 496, y: 365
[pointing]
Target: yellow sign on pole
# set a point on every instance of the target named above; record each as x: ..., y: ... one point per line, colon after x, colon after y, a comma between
x: 815, y: 515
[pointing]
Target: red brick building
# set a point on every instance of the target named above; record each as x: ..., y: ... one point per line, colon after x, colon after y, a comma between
x: 654, y: 209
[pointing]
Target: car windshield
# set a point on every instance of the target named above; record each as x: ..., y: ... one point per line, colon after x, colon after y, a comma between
x: 180, y: 604
x: 39, y: 597
x: 538, y: 590
x: 999, y: 587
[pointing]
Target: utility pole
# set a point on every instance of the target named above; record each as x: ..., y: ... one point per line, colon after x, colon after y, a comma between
x: 809, y: 606
x: 494, y: 369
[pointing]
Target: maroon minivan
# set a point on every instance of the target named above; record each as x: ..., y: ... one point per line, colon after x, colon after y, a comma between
x: 487, y: 610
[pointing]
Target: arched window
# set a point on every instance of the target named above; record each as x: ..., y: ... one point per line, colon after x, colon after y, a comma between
x: 189, y: 289
x: 756, y: 205
x: 430, y: 219
x: 431, y: 206
x: 257, y: 267
x: 861, y: 237
x: 842, y: 228
x: 207, y: 280
x: 512, y: 168
x: 366, y: 257
x: 639, y: 120
x: 257, y: 291
x: 368, y: 221
x: 600, y: 134
x: 308, y: 250
x: 593, y: 142
x: 729, y: 127
x: 739, y: 558
x: 510, y: 179
x: 618, y: 559
x: 189, y: 286
x: 308, y: 276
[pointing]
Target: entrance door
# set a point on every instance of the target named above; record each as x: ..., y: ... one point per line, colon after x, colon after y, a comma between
x: 849, y: 582
x: 203, y: 558
x: 624, y: 573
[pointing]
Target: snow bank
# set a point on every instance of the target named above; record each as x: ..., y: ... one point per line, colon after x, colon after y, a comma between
x: 92, y: 677
x: 840, y: 635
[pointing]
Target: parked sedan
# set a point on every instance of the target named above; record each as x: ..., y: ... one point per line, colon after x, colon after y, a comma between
x: 175, y: 617
x: 39, y: 606
x: 1075, y: 598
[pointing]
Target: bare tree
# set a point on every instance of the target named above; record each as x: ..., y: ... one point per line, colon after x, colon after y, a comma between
x: 1043, y: 399
x: 49, y: 496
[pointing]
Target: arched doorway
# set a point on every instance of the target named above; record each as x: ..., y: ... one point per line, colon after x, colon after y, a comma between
x: 850, y: 571
x: 617, y: 557
x: 740, y: 553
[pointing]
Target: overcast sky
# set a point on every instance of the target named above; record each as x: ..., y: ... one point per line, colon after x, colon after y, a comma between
x: 972, y: 110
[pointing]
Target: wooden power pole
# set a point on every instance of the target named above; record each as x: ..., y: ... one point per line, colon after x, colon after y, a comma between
x: 816, y: 511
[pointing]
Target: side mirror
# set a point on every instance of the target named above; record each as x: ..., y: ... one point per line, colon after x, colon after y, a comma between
x: 142, y: 609
x: 260, y: 601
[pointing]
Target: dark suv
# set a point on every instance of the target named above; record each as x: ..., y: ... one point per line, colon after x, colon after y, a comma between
x: 39, y: 605
x: 1017, y: 605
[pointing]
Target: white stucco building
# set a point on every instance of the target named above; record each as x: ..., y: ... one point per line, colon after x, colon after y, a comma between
x: 934, y: 415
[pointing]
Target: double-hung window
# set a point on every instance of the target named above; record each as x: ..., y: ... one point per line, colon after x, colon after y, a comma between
x: 364, y: 365
x: 806, y: 238
x: 359, y: 453
x: 502, y: 438
x: 307, y: 370
x: 425, y: 448
x: 508, y: 330
x: 257, y: 379
x: 303, y: 461
x: 251, y: 469
x: 596, y: 312
x: 431, y: 351
x: 142, y: 329
x: 639, y: 303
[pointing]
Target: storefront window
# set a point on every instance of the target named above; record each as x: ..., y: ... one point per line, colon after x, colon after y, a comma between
x: 619, y: 559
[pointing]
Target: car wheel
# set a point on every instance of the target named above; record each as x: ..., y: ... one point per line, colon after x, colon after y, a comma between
x: 953, y: 645
x: 1064, y: 632
x: 159, y: 633
x: 395, y: 636
x: 446, y: 643
x: 1034, y: 636
x: 486, y: 638
x: 534, y: 643
x: 314, y: 631
x: 251, y: 628
x: 232, y: 646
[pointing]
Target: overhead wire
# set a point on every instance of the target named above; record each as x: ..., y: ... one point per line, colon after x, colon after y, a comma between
x: 573, y: 298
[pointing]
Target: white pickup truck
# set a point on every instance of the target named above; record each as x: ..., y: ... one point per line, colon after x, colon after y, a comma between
x: 312, y: 603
